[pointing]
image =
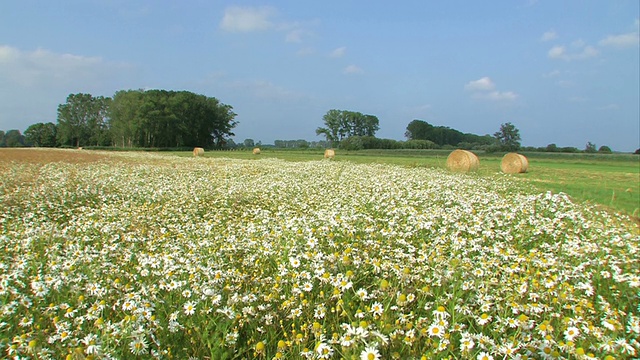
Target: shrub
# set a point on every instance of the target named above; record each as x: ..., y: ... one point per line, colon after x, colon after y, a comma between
x: 605, y: 149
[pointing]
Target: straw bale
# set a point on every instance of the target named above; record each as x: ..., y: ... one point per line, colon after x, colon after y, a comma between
x: 198, y: 151
x: 256, y: 151
x: 462, y: 161
x: 514, y: 163
x: 329, y: 154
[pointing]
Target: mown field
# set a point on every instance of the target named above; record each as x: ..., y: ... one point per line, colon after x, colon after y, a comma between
x: 147, y: 255
x: 608, y: 180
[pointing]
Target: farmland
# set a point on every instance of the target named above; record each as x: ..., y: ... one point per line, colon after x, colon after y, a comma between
x: 125, y: 255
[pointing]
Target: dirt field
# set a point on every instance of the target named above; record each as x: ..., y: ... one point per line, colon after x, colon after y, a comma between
x: 43, y: 156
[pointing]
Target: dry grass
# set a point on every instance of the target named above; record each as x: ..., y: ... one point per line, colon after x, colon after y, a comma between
x: 329, y: 154
x: 462, y: 161
x: 514, y: 163
x: 198, y: 151
x: 48, y: 155
x: 256, y: 151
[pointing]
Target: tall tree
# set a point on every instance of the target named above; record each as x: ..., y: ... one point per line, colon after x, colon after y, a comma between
x: 41, y: 134
x: 160, y: 118
x: 508, y: 137
x: 2, y: 143
x: 125, y: 119
x: 341, y: 124
x: 82, y: 120
x: 333, y: 123
x: 13, y: 138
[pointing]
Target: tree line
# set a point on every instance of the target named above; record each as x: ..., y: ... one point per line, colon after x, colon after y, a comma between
x: 182, y: 119
x: 133, y: 118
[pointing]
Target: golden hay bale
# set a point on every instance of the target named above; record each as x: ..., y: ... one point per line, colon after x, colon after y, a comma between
x: 514, y: 163
x: 198, y: 151
x: 256, y: 151
x: 462, y: 161
x: 329, y: 154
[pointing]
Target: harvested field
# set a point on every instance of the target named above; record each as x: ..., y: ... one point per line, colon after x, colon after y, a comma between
x: 47, y: 155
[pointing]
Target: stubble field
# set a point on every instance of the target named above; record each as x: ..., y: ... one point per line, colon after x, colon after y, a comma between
x: 140, y: 255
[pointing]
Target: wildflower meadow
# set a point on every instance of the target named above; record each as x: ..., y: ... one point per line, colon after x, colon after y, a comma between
x: 140, y: 255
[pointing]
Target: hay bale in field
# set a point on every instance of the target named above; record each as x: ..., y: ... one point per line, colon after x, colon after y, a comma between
x: 198, y: 151
x: 514, y: 163
x: 256, y: 151
x: 329, y: 154
x: 462, y: 161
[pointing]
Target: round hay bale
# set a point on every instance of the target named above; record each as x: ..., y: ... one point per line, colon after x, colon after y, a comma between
x: 329, y: 154
x: 256, y: 151
x: 514, y: 163
x: 198, y: 151
x: 462, y: 161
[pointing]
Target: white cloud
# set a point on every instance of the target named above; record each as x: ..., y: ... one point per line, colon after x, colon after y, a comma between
x: 560, y: 52
x: 294, y: 36
x: 496, y: 95
x: 484, y: 89
x: 45, y: 68
x: 339, y: 52
x: 353, y: 69
x: 247, y: 19
x: 482, y: 84
x: 627, y: 40
x: 549, y: 35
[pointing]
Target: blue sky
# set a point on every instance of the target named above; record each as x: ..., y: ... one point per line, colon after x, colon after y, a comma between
x: 563, y: 72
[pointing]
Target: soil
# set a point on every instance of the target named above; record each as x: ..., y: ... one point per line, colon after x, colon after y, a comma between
x: 47, y: 155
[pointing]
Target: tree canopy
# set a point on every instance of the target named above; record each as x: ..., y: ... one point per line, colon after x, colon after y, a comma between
x: 342, y: 124
x: 41, y: 134
x: 442, y: 135
x: 160, y: 118
x: 82, y: 120
x: 508, y: 137
x: 138, y: 118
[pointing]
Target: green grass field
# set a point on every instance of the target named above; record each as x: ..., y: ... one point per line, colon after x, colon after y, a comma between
x: 610, y: 180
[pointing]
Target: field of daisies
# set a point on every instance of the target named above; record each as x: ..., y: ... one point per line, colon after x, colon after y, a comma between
x: 152, y: 256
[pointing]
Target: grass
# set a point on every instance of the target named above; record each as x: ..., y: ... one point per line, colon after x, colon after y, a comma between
x: 609, y: 180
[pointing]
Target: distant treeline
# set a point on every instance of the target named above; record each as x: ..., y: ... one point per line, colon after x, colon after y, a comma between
x: 44, y: 135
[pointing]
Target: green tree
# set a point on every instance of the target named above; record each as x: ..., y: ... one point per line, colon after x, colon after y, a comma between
x: 160, y: 118
x: 13, y: 138
x: 418, y: 130
x: 41, y: 134
x: 443, y: 135
x: 2, y: 143
x: 82, y: 120
x: 125, y: 118
x: 605, y: 149
x: 590, y: 147
x: 342, y: 124
x: 333, y: 126
x: 248, y: 143
x: 508, y: 137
